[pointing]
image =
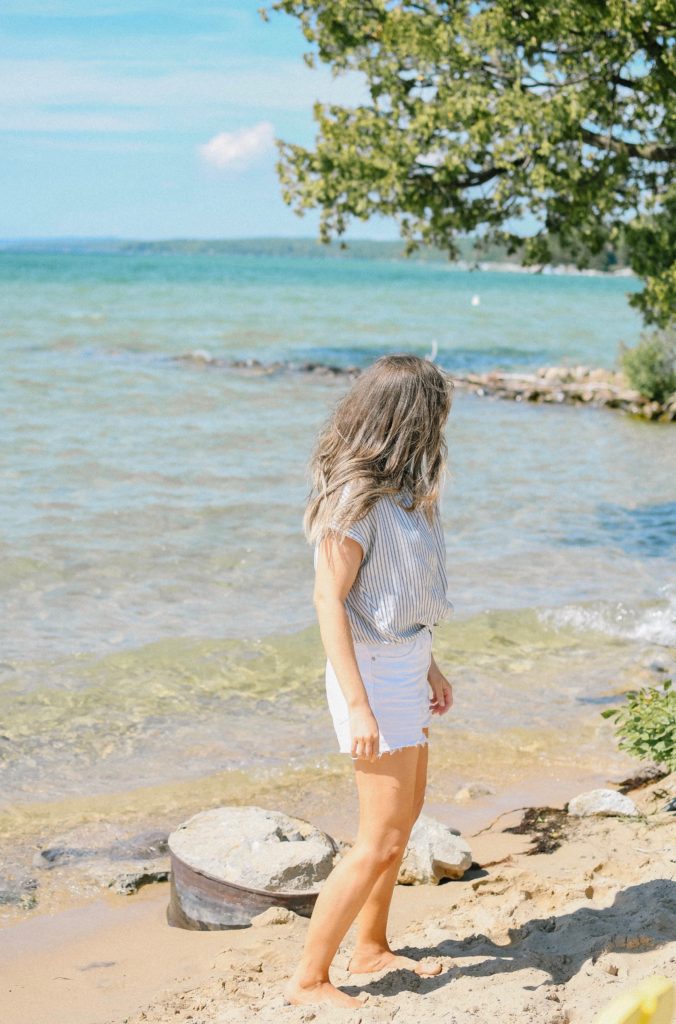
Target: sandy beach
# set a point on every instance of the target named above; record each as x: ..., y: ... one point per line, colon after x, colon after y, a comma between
x: 541, y: 937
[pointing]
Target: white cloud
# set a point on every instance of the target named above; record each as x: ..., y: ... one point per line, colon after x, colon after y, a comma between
x: 238, y: 149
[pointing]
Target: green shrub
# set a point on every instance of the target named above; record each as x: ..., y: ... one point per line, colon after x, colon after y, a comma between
x: 651, y: 365
x: 646, y: 724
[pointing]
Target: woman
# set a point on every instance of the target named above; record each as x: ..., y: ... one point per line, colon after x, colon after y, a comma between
x: 380, y: 587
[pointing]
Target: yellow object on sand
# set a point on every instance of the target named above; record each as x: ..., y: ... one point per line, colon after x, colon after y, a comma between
x: 651, y: 1002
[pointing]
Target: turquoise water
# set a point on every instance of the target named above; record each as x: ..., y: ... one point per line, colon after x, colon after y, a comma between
x: 155, y: 587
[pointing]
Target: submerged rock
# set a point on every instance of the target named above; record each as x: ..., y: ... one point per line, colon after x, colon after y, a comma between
x: 20, y: 892
x: 602, y: 801
x: 473, y: 790
x: 434, y: 851
x: 128, y: 882
x: 141, y: 846
x: 125, y: 865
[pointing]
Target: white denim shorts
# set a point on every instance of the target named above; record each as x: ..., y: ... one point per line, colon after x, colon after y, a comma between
x: 395, y: 679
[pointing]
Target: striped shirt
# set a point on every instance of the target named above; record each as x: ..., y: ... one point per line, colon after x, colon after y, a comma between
x: 401, y: 584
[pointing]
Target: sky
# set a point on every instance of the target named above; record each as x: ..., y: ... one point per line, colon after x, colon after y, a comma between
x: 155, y: 119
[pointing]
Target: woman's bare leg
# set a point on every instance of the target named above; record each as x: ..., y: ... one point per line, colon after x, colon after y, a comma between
x: 386, y: 790
x: 372, y: 950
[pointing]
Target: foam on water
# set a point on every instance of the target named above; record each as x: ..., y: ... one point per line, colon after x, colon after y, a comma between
x: 652, y: 624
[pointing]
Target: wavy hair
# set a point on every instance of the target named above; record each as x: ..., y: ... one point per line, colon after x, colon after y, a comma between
x: 384, y: 437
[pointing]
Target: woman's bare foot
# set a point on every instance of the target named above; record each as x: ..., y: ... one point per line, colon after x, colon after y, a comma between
x: 371, y: 961
x: 320, y: 992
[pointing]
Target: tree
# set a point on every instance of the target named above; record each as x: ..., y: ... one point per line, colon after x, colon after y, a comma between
x: 479, y: 112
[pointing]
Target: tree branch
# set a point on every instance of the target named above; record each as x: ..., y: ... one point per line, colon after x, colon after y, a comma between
x: 480, y: 177
x: 628, y: 83
x: 649, y: 151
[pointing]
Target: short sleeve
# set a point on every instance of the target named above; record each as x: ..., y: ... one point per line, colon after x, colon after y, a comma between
x: 363, y: 531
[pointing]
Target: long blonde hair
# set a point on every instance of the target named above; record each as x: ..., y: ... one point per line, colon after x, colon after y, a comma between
x: 385, y: 436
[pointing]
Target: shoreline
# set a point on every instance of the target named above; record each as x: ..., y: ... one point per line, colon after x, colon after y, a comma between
x: 67, y: 855
x: 547, y: 937
x: 61, y: 854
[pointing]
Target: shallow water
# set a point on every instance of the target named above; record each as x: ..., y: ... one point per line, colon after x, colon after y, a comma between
x: 155, y: 586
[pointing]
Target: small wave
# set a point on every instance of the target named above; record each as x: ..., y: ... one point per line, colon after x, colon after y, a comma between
x: 655, y: 624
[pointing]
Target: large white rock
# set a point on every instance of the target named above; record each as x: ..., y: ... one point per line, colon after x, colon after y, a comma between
x: 434, y: 851
x: 601, y: 801
x: 254, y: 847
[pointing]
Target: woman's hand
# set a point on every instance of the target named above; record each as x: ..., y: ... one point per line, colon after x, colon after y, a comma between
x: 365, y: 733
x: 442, y: 691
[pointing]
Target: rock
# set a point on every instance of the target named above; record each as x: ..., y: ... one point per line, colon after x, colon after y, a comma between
x: 473, y: 790
x: 651, y: 410
x: 19, y: 892
x: 141, y: 846
x: 125, y: 865
x: 152, y: 843
x: 630, y: 396
x: 125, y: 876
x: 128, y: 882
x: 434, y: 851
x: 53, y: 855
x: 255, y: 848
x: 602, y: 801
x: 647, y: 774
x: 274, y: 915
x: 600, y: 374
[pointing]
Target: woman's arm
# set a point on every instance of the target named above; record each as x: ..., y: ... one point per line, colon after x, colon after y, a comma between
x: 337, y: 567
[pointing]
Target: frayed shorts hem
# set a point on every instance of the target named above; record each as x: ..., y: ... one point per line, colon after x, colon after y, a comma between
x: 392, y: 750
